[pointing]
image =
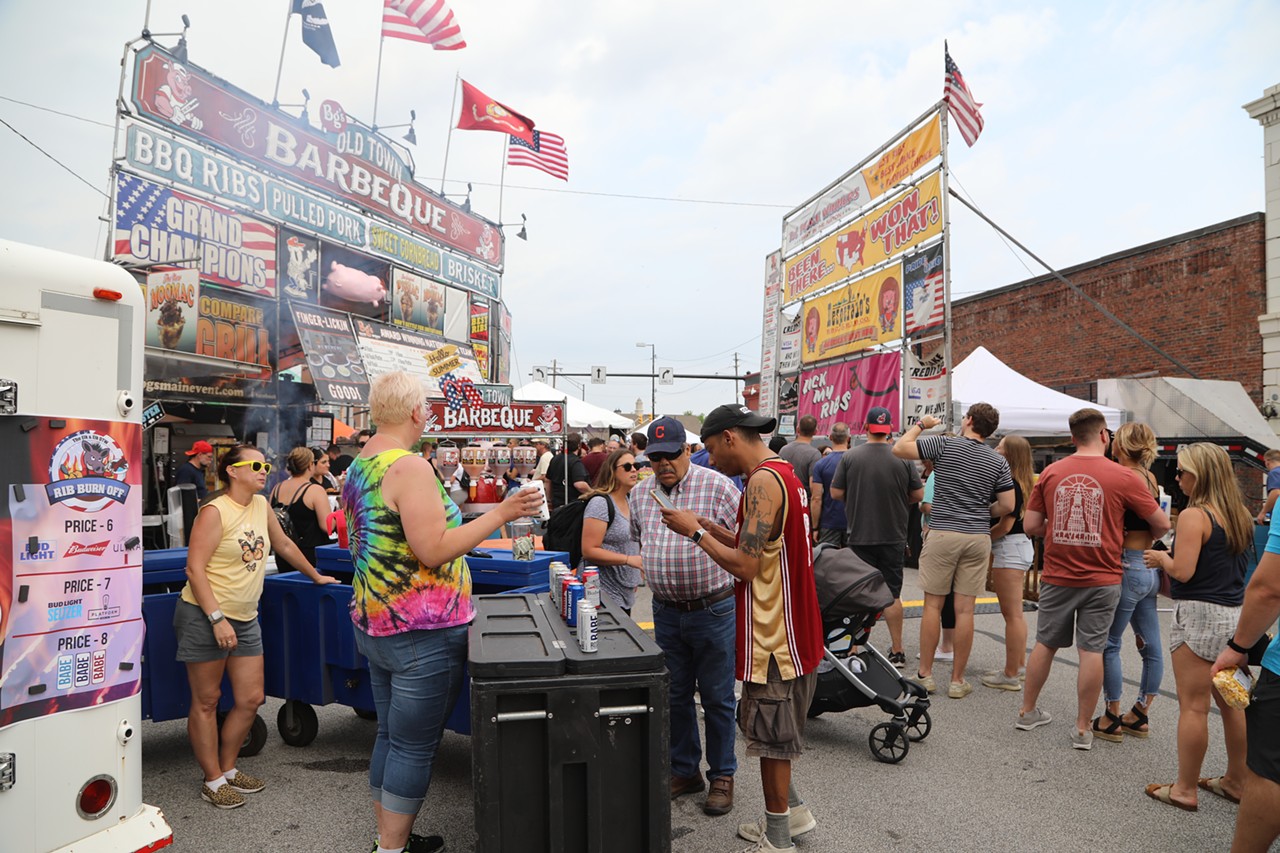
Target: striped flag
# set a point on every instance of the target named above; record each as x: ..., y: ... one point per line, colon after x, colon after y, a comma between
x: 961, y: 105
x: 924, y: 296
x: 427, y: 21
x: 546, y: 153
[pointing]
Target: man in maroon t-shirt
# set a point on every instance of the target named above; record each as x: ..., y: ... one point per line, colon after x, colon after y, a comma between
x: 779, y: 630
x: 1078, y: 507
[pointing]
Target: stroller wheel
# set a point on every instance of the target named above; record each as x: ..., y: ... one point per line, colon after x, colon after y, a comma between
x: 919, y: 723
x: 888, y: 743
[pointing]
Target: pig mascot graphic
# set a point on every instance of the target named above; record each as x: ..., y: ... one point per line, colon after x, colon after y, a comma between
x: 351, y: 284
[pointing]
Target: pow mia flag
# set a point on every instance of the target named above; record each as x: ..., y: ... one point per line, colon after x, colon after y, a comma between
x: 315, y: 30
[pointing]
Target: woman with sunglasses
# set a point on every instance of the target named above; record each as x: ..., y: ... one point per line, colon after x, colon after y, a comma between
x: 1206, y: 573
x: 607, y: 544
x: 216, y: 619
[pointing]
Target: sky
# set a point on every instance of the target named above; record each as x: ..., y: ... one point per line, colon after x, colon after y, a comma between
x: 693, y: 128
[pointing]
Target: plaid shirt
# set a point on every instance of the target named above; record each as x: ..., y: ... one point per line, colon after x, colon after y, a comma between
x: 675, y: 568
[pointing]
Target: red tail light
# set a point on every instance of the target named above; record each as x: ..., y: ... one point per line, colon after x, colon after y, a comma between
x: 109, y: 295
x: 96, y: 797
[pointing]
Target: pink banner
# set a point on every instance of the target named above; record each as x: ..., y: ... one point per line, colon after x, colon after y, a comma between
x: 848, y: 390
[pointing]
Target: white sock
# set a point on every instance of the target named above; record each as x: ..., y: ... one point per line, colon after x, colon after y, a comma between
x: 230, y: 774
x: 382, y: 849
x: 215, y: 784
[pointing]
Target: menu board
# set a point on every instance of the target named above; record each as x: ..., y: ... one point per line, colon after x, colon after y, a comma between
x: 71, y: 625
x: 332, y: 355
x: 386, y: 348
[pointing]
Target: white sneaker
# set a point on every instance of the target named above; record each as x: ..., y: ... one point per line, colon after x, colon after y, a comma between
x: 801, y: 820
x: 762, y: 843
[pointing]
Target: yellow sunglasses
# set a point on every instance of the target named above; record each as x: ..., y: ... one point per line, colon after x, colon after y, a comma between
x: 254, y: 465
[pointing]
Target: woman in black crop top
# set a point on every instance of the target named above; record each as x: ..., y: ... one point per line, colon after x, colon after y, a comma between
x: 308, y: 507
x: 1207, y: 580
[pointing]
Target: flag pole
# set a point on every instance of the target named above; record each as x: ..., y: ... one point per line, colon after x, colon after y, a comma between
x: 449, y: 138
x: 502, y: 181
x: 284, y: 42
x: 377, y: 81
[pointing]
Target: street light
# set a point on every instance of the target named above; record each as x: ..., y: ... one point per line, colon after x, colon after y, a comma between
x: 653, y: 379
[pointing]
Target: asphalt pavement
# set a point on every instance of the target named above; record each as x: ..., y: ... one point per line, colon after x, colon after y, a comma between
x: 975, y: 783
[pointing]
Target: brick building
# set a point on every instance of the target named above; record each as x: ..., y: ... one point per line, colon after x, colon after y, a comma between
x: 1197, y: 295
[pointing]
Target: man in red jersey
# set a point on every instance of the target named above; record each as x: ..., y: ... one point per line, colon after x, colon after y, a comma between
x: 779, y: 626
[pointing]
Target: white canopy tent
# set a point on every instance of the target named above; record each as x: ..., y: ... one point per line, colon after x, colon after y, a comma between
x: 580, y: 413
x: 1026, y: 407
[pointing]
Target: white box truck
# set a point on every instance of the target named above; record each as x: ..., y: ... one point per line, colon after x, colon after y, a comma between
x: 71, y: 631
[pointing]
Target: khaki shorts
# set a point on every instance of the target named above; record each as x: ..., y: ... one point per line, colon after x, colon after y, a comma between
x: 771, y: 716
x: 955, y: 561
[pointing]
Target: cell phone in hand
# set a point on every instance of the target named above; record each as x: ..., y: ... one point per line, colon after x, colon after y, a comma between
x: 663, y: 499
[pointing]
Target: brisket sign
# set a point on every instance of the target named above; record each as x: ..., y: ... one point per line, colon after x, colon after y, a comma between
x: 355, y: 166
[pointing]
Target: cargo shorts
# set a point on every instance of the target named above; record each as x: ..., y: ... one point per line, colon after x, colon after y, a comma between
x: 771, y: 716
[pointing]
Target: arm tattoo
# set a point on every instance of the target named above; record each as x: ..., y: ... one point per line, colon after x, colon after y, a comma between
x: 757, y: 520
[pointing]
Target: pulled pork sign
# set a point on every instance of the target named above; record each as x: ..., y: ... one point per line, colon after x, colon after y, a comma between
x: 355, y: 165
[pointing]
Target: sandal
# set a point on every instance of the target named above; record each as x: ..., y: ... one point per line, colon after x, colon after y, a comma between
x: 1214, y: 786
x: 1164, y: 794
x: 1138, y: 728
x: 1110, y: 732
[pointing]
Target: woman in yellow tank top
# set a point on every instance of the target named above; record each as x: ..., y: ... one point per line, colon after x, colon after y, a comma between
x: 216, y: 620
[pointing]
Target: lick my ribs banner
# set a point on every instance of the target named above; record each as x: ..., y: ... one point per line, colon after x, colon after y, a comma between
x: 848, y: 390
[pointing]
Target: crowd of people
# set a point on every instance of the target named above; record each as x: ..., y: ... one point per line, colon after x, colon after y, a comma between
x: 722, y: 531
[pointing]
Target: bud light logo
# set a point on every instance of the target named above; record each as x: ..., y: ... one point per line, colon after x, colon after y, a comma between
x: 46, y: 551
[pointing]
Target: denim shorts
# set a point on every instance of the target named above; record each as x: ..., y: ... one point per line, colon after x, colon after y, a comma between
x: 1013, y: 551
x: 196, y: 643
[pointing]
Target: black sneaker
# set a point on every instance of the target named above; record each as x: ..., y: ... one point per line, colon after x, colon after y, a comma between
x: 898, y: 659
x: 419, y: 844
x: 424, y: 844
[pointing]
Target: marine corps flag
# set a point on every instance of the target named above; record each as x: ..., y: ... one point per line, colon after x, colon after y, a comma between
x: 480, y: 112
x: 315, y: 30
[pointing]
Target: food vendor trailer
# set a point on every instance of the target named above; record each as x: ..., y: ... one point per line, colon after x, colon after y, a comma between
x: 71, y: 626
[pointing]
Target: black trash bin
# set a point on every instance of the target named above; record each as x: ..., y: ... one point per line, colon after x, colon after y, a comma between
x: 569, y: 750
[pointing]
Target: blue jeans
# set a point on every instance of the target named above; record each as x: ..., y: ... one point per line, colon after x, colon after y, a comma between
x: 415, y: 677
x: 699, y: 648
x: 1137, y: 607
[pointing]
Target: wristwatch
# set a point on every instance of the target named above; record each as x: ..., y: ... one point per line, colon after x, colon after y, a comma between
x: 1231, y: 644
x: 215, y: 617
x: 697, y: 535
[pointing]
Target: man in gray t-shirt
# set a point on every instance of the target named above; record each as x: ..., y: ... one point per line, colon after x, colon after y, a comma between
x: 801, y: 453
x: 878, y: 489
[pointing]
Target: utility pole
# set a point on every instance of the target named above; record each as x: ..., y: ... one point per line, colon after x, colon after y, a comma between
x: 736, y: 393
x: 554, y: 371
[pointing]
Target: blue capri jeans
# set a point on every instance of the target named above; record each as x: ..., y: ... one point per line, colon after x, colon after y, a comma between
x: 1137, y: 607
x: 415, y: 677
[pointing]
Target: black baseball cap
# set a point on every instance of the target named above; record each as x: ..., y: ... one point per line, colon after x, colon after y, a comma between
x: 879, y: 421
x: 666, y: 435
x: 729, y: 416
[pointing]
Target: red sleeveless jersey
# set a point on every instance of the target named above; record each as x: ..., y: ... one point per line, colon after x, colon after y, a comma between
x: 778, y: 613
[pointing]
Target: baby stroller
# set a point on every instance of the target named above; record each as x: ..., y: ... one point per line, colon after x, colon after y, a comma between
x: 852, y: 595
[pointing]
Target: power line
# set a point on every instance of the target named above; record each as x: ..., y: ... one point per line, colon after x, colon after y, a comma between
x: 715, y: 354
x: 55, y: 159
x: 57, y: 112
x: 1018, y: 257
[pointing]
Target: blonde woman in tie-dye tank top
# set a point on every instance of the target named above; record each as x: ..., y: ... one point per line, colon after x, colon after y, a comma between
x: 411, y: 598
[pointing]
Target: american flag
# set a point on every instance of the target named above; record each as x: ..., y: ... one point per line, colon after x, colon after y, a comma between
x: 546, y: 153
x: 427, y: 21
x: 460, y: 392
x: 961, y: 105
x: 924, y: 296
x: 142, y: 204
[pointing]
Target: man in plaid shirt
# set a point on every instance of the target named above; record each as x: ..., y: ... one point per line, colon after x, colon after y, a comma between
x: 693, y: 611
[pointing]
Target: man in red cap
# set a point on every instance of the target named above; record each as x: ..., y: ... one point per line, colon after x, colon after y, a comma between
x: 192, y: 471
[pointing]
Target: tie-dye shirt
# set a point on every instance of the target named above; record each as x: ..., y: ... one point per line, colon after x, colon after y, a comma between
x: 393, y: 591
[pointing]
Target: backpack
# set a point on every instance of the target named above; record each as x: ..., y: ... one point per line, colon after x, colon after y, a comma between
x: 564, y: 528
x: 282, y: 510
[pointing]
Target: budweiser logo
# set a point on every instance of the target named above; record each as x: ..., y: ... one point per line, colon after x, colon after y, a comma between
x: 97, y: 549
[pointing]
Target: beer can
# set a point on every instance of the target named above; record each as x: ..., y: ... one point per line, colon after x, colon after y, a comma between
x: 588, y: 627
x: 563, y: 600
x: 591, y: 585
x: 572, y: 595
x: 559, y: 572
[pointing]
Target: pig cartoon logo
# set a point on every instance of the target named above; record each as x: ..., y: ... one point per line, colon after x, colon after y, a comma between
x: 486, y: 249
x: 174, y: 100
x: 87, y: 471
x: 849, y: 248
x: 548, y: 419
x: 351, y: 284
